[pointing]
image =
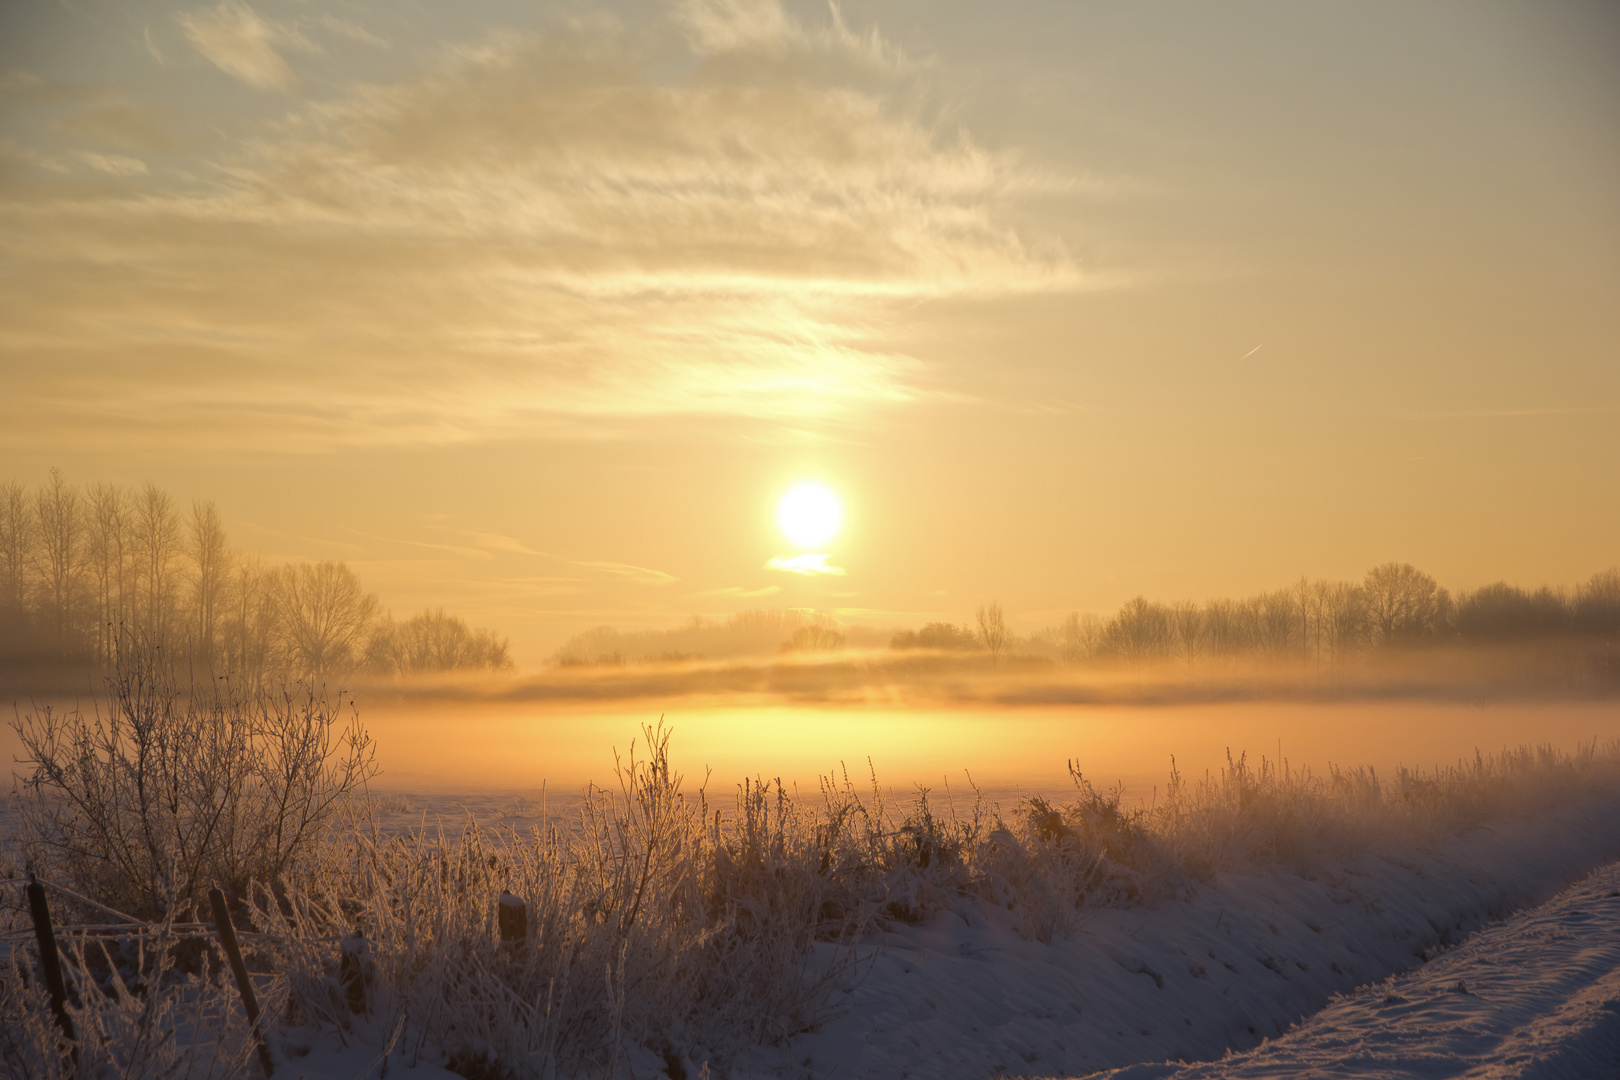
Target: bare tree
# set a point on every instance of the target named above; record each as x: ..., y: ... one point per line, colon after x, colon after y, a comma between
x: 1140, y: 631
x: 16, y: 548
x: 323, y: 614
x: 157, y: 545
x: 1079, y: 637
x: 1597, y: 606
x: 1301, y: 591
x: 248, y: 623
x: 806, y: 639
x: 1402, y: 602
x: 1277, y: 621
x: 59, y: 519
x: 1503, y: 612
x: 1348, y: 626
x: 209, y: 554
x: 1186, y: 629
x: 1316, y: 601
x: 434, y: 641
x: 992, y: 629
x: 1223, y: 629
x: 109, y: 550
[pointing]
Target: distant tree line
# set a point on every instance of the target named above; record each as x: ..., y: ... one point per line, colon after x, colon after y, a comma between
x: 1395, y: 605
x: 756, y: 632
x: 86, y: 571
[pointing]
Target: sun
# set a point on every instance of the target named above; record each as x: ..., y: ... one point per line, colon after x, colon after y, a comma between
x: 809, y: 514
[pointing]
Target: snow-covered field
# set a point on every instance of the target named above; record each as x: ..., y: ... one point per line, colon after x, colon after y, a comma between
x: 1369, y: 955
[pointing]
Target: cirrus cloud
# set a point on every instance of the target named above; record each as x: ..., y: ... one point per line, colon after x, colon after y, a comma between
x: 240, y: 43
x: 544, y: 230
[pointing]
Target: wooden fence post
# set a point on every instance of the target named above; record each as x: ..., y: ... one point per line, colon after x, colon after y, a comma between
x: 244, y: 985
x: 50, y: 961
x: 513, y: 917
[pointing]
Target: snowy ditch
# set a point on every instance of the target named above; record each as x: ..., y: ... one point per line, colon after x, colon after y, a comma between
x: 1536, y: 996
x: 1227, y: 967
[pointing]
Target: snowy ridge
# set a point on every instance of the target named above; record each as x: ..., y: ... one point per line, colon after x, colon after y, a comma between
x: 1536, y: 996
x: 1227, y: 966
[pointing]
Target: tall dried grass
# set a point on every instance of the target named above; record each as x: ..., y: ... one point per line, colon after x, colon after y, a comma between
x: 142, y: 1009
x: 661, y: 922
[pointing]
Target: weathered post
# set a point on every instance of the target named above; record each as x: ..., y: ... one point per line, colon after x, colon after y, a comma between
x: 50, y: 961
x: 513, y: 917
x: 352, y: 956
x: 244, y: 985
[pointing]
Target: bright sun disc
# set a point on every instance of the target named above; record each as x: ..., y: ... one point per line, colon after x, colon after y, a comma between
x: 809, y: 515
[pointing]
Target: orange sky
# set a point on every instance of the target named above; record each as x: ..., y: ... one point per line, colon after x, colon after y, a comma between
x: 534, y: 310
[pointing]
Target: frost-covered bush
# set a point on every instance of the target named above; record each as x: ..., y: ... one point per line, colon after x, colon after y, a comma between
x: 165, y: 790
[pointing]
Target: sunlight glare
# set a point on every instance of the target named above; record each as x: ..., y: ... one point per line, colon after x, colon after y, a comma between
x: 809, y: 515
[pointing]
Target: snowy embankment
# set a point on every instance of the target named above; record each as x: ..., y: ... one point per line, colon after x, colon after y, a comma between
x: 1228, y: 967
x: 1233, y: 964
x: 1535, y: 996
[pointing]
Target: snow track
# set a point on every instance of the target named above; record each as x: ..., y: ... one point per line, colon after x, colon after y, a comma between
x: 1535, y: 997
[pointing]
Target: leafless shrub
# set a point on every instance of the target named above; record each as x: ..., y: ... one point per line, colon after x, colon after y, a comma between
x: 163, y: 790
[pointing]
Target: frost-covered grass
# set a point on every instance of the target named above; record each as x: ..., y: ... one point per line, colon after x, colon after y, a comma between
x: 671, y: 926
x: 140, y: 1008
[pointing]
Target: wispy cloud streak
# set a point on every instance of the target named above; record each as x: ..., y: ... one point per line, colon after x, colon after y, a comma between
x: 534, y: 236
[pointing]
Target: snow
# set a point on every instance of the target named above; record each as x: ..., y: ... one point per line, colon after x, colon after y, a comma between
x: 1536, y: 996
x: 1227, y: 967
x: 1230, y: 966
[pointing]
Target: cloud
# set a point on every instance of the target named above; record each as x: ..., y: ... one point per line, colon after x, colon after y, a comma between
x: 501, y: 542
x: 151, y: 47
x: 763, y: 29
x: 354, y: 32
x: 122, y: 124
x: 730, y: 25
x: 449, y: 549
x: 639, y: 574
x: 803, y: 564
x: 113, y: 164
x: 1501, y: 414
x: 737, y: 592
x: 238, y: 42
x: 541, y: 236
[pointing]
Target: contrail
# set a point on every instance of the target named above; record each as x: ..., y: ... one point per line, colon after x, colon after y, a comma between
x: 1251, y: 352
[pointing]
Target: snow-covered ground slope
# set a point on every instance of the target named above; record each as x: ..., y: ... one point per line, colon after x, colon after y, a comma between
x: 1535, y: 996
x: 1227, y: 966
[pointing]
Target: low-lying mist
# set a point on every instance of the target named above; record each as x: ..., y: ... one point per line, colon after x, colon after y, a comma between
x: 448, y: 745
x: 1557, y: 670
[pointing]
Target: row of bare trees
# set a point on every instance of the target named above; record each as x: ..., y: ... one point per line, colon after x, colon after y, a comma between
x: 1394, y: 605
x: 84, y: 571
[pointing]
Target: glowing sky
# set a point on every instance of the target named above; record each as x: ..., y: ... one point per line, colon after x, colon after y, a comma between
x: 534, y: 311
